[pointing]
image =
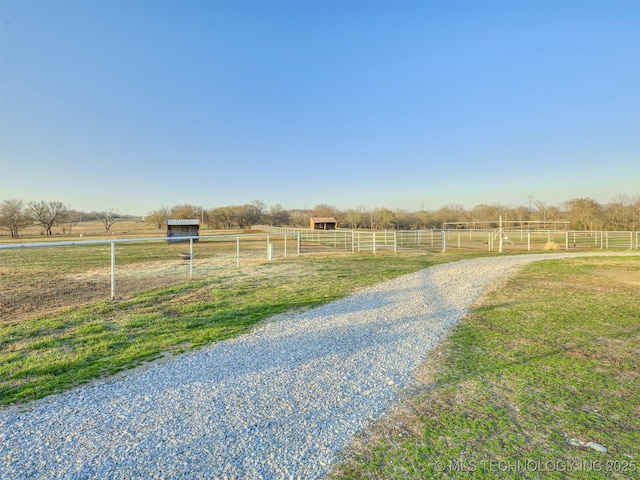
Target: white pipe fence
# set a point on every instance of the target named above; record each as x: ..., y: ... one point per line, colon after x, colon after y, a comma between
x: 37, y: 278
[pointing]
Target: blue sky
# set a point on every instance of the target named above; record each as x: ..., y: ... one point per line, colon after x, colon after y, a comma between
x: 136, y: 105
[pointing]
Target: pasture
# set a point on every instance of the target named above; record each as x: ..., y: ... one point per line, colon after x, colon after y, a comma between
x: 52, y: 352
x: 531, y: 384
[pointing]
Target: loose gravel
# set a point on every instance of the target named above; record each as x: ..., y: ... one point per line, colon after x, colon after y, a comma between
x: 279, y: 402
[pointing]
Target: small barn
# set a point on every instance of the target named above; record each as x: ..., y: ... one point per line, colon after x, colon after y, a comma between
x: 182, y: 227
x: 323, y: 223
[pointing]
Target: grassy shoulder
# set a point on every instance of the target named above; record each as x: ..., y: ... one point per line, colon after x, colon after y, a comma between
x: 57, y: 352
x: 543, y: 366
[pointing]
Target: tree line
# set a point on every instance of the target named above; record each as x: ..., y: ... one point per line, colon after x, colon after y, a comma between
x: 621, y: 213
x: 16, y: 214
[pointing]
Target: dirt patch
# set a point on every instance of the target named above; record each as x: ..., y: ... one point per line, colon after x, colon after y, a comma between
x: 627, y: 277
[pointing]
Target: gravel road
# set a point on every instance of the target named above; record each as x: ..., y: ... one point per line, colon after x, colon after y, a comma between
x: 279, y: 402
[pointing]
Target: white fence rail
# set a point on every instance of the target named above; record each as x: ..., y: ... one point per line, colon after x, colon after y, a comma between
x: 38, y: 278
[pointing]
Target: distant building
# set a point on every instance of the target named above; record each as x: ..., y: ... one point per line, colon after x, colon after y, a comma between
x: 323, y: 223
x: 182, y: 227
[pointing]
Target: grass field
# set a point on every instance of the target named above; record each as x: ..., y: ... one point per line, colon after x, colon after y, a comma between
x: 543, y: 366
x: 55, y: 352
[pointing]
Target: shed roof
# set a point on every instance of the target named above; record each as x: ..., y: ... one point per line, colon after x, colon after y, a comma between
x: 183, y: 221
x: 323, y: 220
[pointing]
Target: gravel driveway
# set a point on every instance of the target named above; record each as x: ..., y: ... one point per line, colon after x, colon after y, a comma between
x: 276, y: 403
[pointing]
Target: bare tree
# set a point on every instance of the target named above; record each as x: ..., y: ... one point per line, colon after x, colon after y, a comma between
x: 185, y: 211
x: 384, y: 218
x: 13, y: 215
x: 73, y: 217
x: 108, y: 218
x: 255, y: 212
x: 619, y: 213
x: 223, y: 216
x: 277, y: 215
x: 584, y: 213
x: 353, y: 217
x: 159, y: 217
x: 48, y: 214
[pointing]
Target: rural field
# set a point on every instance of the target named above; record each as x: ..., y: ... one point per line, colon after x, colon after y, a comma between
x: 543, y: 365
x: 94, y: 230
x: 54, y: 352
x: 539, y: 380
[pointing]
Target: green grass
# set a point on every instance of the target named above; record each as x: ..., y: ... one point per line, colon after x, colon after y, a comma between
x: 552, y: 356
x: 50, y: 354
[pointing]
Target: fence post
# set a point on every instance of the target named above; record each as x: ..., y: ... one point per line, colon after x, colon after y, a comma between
x: 285, y: 245
x: 238, y: 251
x: 395, y: 241
x: 566, y: 241
x: 299, y: 242
x: 113, y: 270
x: 191, y: 258
x: 528, y: 241
x: 444, y: 241
x: 606, y: 237
x: 374, y: 241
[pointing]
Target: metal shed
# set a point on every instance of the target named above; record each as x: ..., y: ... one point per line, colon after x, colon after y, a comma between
x: 323, y: 223
x: 182, y: 227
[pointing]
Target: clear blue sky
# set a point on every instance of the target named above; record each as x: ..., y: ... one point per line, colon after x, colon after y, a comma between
x: 136, y: 105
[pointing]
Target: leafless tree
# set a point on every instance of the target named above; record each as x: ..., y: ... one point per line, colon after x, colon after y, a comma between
x: 584, y: 213
x: 185, y: 211
x: 159, y: 217
x: 108, y: 218
x: 48, y: 214
x: 278, y: 216
x: 223, y: 216
x: 13, y: 215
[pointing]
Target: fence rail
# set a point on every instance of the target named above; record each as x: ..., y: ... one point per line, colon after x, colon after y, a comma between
x: 39, y: 278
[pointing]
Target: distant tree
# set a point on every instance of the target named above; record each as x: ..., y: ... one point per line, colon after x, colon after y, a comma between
x: 255, y: 212
x: 73, y: 217
x: 277, y: 215
x: 404, y: 220
x: 584, y: 213
x: 185, y: 211
x: 519, y: 214
x: 619, y: 213
x: 485, y: 213
x: 424, y: 218
x: 13, y: 215
x: 324, y: 210
x: 450, y: 213
x: 243, y: 215
x: 383, y: 218
x: 635, y: 208
x: 353, y: 218
x: 159, y: 217
x: 223, y: 217
x: 48, y: 214
x: 299, y: 218
x: 108, y: 218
